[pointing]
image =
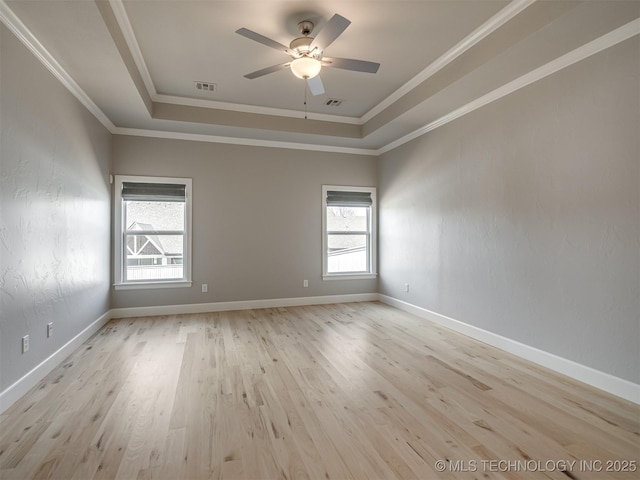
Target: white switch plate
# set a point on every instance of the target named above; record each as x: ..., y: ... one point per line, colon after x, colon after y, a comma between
x: 406, y: 287
x: 205, y: 288
x: 305, y: 283
x: 49, y: 329
x: 25, y: 344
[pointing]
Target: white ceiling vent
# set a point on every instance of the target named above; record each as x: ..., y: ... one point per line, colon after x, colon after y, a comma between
x: 206, y: 86
x: 333, y: 102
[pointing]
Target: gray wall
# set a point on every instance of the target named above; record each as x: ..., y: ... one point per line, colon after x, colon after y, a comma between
x: 523, y: 217
x: 54, y: 212
x: 256, y: 217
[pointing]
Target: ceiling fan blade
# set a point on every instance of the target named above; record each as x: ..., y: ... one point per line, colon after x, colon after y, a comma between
x: 315, y: 85
x: 332, y: 30
x: 350, y: 64
x: 256, y: 37
x: 266, y: 71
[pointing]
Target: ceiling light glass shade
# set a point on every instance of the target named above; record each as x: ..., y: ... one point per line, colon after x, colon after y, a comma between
x: 306, y: 67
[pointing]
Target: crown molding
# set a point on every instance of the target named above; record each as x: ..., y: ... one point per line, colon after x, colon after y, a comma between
x: 251, y: 142
x: 15, y: 25
x: 591, y: 48
x: 130, y: 38
x: 491, y: 25
x: 495, y: 22
x: 122, y: 19
x: 19, y: 29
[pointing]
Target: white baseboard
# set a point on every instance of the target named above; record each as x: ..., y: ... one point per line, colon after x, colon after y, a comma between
x: 603, y: 381
x: 240, y: 305
x: 29, y: 380
x: 9, y: 396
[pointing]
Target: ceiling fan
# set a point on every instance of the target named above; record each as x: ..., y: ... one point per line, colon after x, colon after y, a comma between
x: 306, y: 53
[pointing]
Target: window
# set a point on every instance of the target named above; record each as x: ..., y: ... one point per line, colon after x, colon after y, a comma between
x: 153, y: 232
x: 348, y: 232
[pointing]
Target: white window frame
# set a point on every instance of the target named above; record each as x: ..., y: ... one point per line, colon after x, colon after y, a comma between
x: 371, y: 243
x: 120, y: 230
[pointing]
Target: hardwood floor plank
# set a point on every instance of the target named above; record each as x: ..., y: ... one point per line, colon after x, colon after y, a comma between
x: 350, y: 391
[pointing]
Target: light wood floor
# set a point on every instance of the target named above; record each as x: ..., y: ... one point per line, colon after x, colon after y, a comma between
x: 359, y: 391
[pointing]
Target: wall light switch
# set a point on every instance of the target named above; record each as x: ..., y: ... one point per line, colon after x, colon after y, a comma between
x: 25, y: 344
x: 49, y: 329
x: 205, y: 288
x: 305, y: 283
x: 406, y: 287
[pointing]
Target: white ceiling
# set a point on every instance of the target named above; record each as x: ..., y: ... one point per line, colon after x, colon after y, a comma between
x: 134, y: 62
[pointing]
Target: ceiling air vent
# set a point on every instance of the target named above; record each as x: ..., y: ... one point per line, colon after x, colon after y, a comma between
x: 206, y: 86
x: 333, y: 102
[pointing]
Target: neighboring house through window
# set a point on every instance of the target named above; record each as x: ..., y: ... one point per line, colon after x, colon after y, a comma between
x: 348, y: 232
x: 153, y: 232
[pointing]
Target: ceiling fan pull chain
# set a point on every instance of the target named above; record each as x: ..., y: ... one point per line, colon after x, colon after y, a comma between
x: 305, y: 100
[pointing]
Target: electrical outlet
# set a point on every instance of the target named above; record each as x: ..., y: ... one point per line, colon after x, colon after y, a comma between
x: 49, y: 329
x: 406, y: 287
x: 305, y: 283
x: 205, y: 288
x: 25, y: 344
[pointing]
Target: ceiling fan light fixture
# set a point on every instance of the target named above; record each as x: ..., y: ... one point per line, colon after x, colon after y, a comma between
x: 306, y: 67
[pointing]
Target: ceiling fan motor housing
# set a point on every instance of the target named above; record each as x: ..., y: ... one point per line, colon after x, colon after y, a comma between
x: 301, y: 47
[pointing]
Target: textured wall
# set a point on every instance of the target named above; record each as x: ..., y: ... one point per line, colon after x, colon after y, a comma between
x: 256, y: 217
x: 523, y: 217
x: 54, y: 212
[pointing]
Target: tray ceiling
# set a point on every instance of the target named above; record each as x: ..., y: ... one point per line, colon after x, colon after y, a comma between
x: 135, y: 63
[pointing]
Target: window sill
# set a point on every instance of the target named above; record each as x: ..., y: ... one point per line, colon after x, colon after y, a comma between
x: 349, y: 276
x: 151, y: 285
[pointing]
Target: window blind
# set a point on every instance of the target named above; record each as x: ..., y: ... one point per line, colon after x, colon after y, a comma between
x: 153, y: 192
x: 348, y: 199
